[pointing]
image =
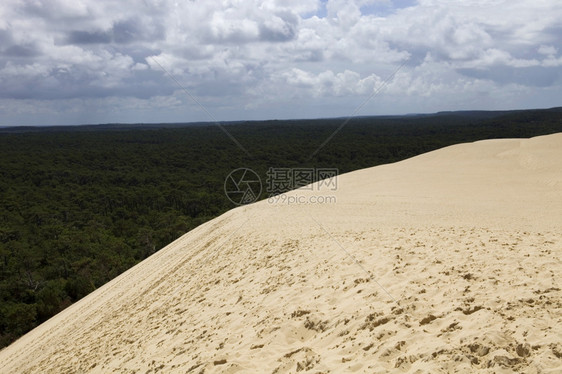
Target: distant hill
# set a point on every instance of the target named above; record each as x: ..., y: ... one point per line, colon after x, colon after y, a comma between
x: 467, y: 114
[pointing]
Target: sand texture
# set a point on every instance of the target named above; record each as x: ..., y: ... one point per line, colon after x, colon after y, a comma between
x: 446, y: 262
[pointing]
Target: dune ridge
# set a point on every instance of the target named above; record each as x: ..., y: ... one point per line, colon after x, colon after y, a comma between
x: 446, y: 262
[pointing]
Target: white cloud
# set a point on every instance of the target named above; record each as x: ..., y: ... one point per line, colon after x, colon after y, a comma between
x: 547, y: 50
x: 263, y: 58
x: 329, y: 83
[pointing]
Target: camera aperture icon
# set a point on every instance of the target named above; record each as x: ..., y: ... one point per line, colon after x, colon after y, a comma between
x: 242, y: 186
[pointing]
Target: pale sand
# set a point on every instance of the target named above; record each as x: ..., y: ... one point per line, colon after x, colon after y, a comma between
x: 446, y: 262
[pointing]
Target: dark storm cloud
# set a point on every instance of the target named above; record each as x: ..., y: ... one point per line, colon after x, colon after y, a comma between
x: 133, y: 30
x: 280, y: 33
x: 5, y: 37
x: 64, y: 84
x: 553, y: 34
x: 21, y: 51
x: 123, y: 32
x: 37, y: 9
x: 87, y: 37
x: 277, y: 35
x: 9, y: 49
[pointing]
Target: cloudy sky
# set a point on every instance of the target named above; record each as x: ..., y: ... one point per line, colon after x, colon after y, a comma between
x: 100, y: 61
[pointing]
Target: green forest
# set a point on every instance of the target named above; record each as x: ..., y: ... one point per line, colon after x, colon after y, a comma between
x: 80, y: 205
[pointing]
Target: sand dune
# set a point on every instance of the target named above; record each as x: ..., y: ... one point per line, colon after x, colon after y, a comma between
x: 446, y: 262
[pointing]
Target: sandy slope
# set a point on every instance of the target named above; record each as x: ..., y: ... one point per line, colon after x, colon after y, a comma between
x: 446, y: 262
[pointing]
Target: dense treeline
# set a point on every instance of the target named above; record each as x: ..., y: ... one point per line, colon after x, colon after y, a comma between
x: 78, y: 206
